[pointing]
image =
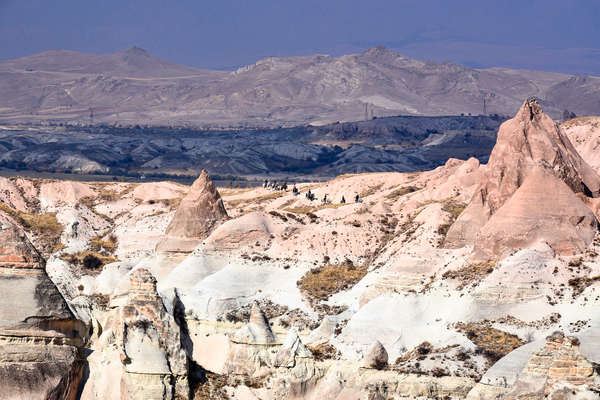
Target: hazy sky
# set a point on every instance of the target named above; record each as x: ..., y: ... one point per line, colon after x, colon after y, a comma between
x: 556, y: 35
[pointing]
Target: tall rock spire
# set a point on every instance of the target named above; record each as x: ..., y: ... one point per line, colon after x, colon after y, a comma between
x: 534, y: 159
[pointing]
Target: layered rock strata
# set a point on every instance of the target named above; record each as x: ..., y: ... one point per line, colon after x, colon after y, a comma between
x: 558, y: 364
x: 40, y: 339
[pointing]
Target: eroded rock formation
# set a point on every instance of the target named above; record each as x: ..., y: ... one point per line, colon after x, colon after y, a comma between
x: 40, y: 339
x: 198, y: 214
x: 291, y: 349
x: 377, y: 357
x: 156, y: 366
x: 533, y: 176
x: 558, y: 364
x: 253, y: 346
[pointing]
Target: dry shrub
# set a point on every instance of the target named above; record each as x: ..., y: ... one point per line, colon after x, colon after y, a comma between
x: 278, y: 215
x: 396, y: 194
x: 324, y: 351
x: 320, y: 283
x: 580, y: 283
x: 371, y: 190
x: 98, y: 244
x: 90, y: 261
x: 109, y: 195
x: 45, y: 226
x: 491, y: 342
x: 454, y: 209
x: 88, y: 201
x: 212, y: 386
x: 418, y: 353
x: 474, y: 272
x: 171, y: 203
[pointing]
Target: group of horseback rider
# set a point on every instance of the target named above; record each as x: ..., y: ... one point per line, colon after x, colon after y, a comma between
x: 274, y: 185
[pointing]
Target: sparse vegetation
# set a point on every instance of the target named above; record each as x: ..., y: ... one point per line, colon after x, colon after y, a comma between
x: 210, y: 386
x: 312, y: 209
x: 109, y: 245
x: 91, y: 261
x: 278, y: 215
x: 425, y: 359
x: 371, y: 190
x: 492, y: 343
x: 320, y: 283
x: 473, y: 272
x: 90, y: 202
x: 396, y: 194
x: 171, y: 203
x: 580, y: 283
x: 324, y: 351
x: 108, y: 195
x: 45, y: 226
x: 454, y: 209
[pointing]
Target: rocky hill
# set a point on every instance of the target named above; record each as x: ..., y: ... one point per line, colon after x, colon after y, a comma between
x: 133, y: 87
x: 467, y: 281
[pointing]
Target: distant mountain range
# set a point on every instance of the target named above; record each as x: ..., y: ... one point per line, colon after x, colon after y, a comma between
x: 135, y: 88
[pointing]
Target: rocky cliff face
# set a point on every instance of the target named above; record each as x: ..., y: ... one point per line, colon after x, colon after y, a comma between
x: 40, y: 339
x: 532, y: 161
x: 558, y: 367
x: 155, y: 365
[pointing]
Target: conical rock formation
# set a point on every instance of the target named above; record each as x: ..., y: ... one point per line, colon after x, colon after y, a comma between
x: 377, y: 357
x: 527, y: 144
x: 544, y: 208
x: 198, y: 214
x: 257, y: 331
x: 39, y: 335
x: 291, y: 349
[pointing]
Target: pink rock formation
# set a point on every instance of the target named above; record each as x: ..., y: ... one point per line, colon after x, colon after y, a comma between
x: 529, y: 144
x: 199, y: 213
x: 543, y: 208
x: 584, y: 133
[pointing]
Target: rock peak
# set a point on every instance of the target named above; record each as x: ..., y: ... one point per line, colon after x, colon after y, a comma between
x: 531, y: 151
x: 199, y: 213
x: 203, y: 182
x: 257, y: 315
x: 134, y: 50
x: 379, y: 51
x: 532, y: 107
x: 257, y: 331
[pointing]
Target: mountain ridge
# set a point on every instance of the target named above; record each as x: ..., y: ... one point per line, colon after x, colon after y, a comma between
x: 134, y: 87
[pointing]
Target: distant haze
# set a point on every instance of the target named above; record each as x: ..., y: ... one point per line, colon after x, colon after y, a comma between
x: 550, y: 35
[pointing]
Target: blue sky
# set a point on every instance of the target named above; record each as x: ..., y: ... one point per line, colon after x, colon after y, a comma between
x: 554, y: 35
